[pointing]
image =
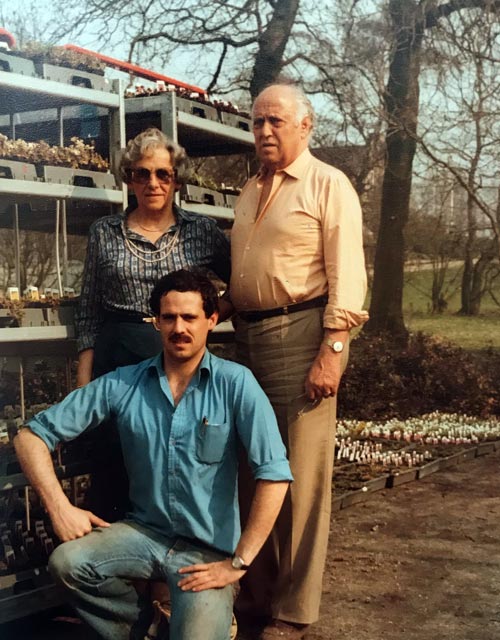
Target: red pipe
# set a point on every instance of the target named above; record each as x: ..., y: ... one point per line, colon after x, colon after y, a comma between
x: 128, y: 67
x: 8, y: 37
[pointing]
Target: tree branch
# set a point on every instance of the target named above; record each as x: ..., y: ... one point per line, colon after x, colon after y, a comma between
x: 215, y: 77
x: 435, y: 13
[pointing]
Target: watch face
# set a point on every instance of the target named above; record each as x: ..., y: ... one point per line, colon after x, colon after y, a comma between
x: 335, y: 345
x: 238, y: 563
x: 338, y: 346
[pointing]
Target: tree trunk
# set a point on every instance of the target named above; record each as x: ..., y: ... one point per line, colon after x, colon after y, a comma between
x: 401, y: 101
x: 272, y: 44
x: 439, y: 303
x: 477, y: 277
x: 465, y: 294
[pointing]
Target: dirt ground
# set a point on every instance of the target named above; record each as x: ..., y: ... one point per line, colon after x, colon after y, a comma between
x: 420, y: 561
x: 417, y: 562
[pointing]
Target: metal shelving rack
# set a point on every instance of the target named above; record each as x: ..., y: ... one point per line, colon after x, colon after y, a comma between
x: 200, y: 136
x: 30, y: 590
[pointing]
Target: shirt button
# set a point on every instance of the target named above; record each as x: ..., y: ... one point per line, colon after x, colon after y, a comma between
x: 241, y: 275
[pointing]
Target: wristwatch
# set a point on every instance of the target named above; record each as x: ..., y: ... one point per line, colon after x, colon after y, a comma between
x: 238, y: 563
x: 335, y: 345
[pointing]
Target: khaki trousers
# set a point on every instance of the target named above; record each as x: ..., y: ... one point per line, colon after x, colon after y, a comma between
x: 285, y: 580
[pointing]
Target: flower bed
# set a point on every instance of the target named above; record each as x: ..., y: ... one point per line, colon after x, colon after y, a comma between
x: 379, y: 454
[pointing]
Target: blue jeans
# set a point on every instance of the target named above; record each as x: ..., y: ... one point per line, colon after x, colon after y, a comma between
x: 96, y: 572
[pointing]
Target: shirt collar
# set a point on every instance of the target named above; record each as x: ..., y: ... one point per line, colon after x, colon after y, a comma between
x: 181, y: 216
x: 206, y: 364
x: 295, y: 169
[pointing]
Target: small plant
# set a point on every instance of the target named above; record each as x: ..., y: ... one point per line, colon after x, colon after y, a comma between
x: 61, y: 57
x: 77, y: 155
x: 15, y: 309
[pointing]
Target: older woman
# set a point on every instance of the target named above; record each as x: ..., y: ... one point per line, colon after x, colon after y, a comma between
x: 128, y: 253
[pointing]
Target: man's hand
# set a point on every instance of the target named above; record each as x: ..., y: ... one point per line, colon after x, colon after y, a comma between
x: 214, y: 575
x: 326, y: 371
x: 324, y: 375
x: 70, y: 522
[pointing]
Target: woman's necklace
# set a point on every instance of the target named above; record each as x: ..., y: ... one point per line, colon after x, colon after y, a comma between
x: 152, y: 230
x: 147, y: 255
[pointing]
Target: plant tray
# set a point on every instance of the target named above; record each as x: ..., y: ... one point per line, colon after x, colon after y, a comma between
x: 95, y: 179
x: 354, y: 497
x: 230, y: 200
x: 197, y: 109
x: 15, y: 170
x: 79, y: 177
x: 32, y: 318
x: 15, y: 64
x: 485, y: 447
x: 57, y: 316
x: 29, y: 592
x: 73, y: 76
x: 402, y: 477
x: 202, y: 195
x: 377, y: 483
x: 337, y: 503
x: 57, y: 175
x: 468, y: 454
x: 234, y: 120
x: 456, y: 458
x: 428, y: 468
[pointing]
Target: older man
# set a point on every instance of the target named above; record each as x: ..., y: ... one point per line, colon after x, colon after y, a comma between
x: 298, y: 284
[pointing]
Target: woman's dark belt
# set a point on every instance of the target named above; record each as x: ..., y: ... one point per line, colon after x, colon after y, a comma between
x: 255, y: 316
x: 126, y: 316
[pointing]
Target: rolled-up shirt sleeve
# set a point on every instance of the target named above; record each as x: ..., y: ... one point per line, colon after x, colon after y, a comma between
x: 82, y: 409
x: 342, y: 229
x: 258, y: 431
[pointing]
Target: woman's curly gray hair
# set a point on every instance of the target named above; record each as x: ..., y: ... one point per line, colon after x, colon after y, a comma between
x: 145, y: 144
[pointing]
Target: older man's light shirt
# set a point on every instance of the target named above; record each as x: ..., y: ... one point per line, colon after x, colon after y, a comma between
x: 305, y: 242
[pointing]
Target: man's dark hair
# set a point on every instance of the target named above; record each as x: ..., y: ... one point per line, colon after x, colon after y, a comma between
x: 184, y: 280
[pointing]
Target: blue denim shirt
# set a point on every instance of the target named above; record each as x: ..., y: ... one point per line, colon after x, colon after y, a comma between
x: 181, y: 460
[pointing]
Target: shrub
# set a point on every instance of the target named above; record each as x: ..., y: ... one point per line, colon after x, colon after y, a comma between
x: 383, y: 381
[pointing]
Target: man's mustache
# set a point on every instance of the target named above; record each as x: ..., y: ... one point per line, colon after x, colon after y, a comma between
x: 179, y: 337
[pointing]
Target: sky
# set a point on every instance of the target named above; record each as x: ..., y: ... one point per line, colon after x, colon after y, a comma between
x: 119, y: 49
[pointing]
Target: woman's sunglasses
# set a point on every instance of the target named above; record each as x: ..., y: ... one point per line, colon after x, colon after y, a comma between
x: 143, y: 175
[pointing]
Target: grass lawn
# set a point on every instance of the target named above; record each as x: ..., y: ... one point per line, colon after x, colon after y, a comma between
x: 475, y: 333
x: 469, y: 333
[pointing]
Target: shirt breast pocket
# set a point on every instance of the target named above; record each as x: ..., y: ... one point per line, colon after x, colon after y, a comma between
x: 211, y: 442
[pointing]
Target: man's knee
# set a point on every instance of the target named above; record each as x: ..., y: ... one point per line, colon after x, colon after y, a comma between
x: 63, y: 563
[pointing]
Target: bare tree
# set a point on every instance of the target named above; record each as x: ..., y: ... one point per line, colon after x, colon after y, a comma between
x: 410, y: 20
x: 470, y: 48
x: 434, y: 239
x: 238, y: 44
x: 246, y: 43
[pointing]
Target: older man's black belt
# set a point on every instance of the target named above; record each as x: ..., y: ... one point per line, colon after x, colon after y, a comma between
x: 255, y: 316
